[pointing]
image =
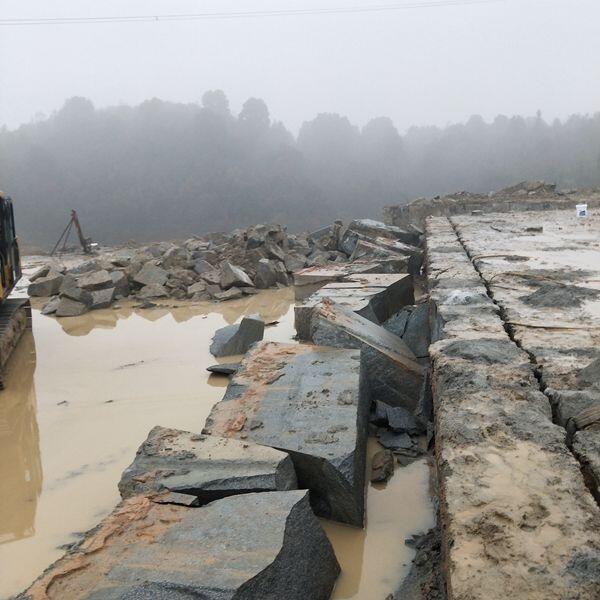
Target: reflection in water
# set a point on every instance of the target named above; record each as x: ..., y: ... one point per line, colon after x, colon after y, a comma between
x: 277, y: 306
x: 20, y: 465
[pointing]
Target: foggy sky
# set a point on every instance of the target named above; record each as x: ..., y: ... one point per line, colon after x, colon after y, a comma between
x: 419, y: 67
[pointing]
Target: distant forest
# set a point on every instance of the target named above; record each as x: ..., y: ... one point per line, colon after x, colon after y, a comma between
x: 164, y: 170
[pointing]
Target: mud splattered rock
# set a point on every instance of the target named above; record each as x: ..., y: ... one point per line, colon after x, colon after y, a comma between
x: 204, y: 466
x: 375, y: 297
x: 237, y: 339
x: 389, y: 366
x: 267, y: 545
x: 310, y: 404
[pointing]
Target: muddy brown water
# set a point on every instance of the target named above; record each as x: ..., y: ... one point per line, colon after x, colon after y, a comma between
x: 82, y: 394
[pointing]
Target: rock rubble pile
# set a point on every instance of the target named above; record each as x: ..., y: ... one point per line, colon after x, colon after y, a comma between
x: 217, y: 266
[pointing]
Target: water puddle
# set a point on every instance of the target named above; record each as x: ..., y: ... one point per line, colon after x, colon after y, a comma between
x: 82, y: 394
x: 375, y: 560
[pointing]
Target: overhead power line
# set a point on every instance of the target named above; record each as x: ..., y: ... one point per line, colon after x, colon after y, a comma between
x: 240, y: 14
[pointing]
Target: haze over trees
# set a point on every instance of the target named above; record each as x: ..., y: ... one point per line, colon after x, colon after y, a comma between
x: 164, y: 170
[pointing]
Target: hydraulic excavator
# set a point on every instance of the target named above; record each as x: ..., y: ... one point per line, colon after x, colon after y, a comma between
x: 15, y: 313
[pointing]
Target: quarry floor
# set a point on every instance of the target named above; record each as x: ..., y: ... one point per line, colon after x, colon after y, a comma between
x: 82, y: 394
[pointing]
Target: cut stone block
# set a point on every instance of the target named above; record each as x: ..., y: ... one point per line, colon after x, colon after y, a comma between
x: 374, y: 296
x: 266, y: 546
x: 307, y: 401
x: 204, y: 466
x: 237, y: 338
x: 390, y: 368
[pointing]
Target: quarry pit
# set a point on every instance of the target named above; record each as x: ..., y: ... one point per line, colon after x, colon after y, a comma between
x: 497, y: 458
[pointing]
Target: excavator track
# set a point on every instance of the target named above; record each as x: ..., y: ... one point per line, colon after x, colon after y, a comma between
x: 15, y: 318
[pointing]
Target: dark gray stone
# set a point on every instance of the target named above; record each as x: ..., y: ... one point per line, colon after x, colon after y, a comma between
x: 586, y: 447
x: 390, y: 368
x: 230, y: 294
x: 70, y: 308
x: 266, y: 546
x: 39, y: 273
x: 237, y: 339
x: 153, y: 290
x: 589, y: 376
x: 151, y: 274
x: 266, y: 275
x: 75, y: 293
x: 121, y: 284
x: 382, y: 466
x: 204, y: 466
x: 51, y: 306
x: 102, y: 298
x: 396, y: 418
x: 375, y: 229
x: 374, y: 296
x: 46, y: 286
x: 96, y: 281
x: 196, y: 288
x: 309, y: 402
x: 202, y: 266
x: 231, y: 276
x: 224, y: 368
x: 396, y: 441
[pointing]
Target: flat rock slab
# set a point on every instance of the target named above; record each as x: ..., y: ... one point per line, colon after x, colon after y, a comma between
x: 237, y: 338
x: 374, y: 296
x: 307, y: 401
x: 321, y: 275
x: 266, y: 546
x: 224, y: 368
x: 204, y: 466
x: 388, y: 365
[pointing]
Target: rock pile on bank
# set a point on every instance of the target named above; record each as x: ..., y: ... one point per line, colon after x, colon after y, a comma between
x: 217, y: 266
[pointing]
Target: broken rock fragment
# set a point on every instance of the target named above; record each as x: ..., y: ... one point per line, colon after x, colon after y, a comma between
x: 374, y: 296
x: 150, y: 274
x: 237, y: 338
x: 233, y: 276
x: 46, y: 286
x: 204, y: 466
x: 70, y: 308
x: 307, y: 401
x: 266, y: 546
x: 390, y: 368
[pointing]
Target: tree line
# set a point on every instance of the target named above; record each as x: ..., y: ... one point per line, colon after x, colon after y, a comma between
x: 165, y: 170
